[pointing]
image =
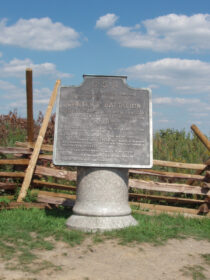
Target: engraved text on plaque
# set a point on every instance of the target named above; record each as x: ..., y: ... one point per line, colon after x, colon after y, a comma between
x: 103, y: 123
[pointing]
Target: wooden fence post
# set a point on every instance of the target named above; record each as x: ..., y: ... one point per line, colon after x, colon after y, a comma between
x: 206, y: 143
x: 38, y: 145
x: 29, y: 97
x: 201, y: 136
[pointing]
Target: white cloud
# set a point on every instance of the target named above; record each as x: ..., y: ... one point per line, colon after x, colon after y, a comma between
x: 152, y: 86
x: 175, y: 101
x: 4, y: 85
x: 200, y: 115
x: 193, y: 107
x: 10, y: 91
x: 170, y: 32
x: 195, y: 122
x: 200, y: 108
x: 39, y: 34
x: 106, y: 21
x: 42, y: 96
x: 14, y: 97
x: 17, y: 67
x: 183, y: 75
x: 1, y: 54
x: 20, y: 105
x: 163, y: 121
x: 13, y: 94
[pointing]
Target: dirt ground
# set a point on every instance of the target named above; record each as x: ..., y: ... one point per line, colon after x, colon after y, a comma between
x: 177, y: 259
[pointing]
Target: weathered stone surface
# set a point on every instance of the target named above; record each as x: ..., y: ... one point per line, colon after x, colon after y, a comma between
x: 104, y: 127
x: 103, y: 123
x: 100, y: 224
x: 102, y: 200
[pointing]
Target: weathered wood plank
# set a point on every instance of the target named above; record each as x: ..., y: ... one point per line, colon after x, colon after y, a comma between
x: 58, y: 173
x: 15, y: 205
x: 206, y: 185
x: 166, y: 187
x: 14, y: 161
x: 55, y: 194
x: 46, y: 171
x: 173, y: 214
x: 44, y: 147
x: 53, y: 185
x: 12, y: 174
x: 198, y: 172
x: 7, y: 186
x: 207, y: 174
x: 166, y: 198
x: 47, y: 157
x: 164, y: 208
x: 15, y: 150
x: 55, y: 198
x: 38, y: 183
x: 23, y: 161
x: 168, y: 209
x: 194, y: 166
x: 164, y: 174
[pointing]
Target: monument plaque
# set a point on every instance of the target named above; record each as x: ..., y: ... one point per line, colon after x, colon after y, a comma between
x: 104, y: 127
x: 103, y: 123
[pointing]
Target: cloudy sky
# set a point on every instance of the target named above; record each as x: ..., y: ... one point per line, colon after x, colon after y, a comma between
x: 160, y: 44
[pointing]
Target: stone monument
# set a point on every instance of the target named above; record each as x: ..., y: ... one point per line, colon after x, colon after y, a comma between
x: 104, y: 127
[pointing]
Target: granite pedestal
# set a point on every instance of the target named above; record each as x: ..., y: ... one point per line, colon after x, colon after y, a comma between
x: 102, y: 200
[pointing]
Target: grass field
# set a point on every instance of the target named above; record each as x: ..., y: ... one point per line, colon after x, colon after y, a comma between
x: 23, y: 231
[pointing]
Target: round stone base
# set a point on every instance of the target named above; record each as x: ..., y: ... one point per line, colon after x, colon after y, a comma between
x: 94, y: 224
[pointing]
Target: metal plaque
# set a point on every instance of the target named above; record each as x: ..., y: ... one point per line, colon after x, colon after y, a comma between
x: 103, y: 123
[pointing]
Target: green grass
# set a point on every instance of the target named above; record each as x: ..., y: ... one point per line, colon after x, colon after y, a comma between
x: 206, y: 258
x: 158, y: 229
x: 22, y: 231
x: 4, y: 200
x: 24, y: 228
x: 12, y: 134
x: 175, y: 145
x: 195, y: 271
x: 30, y: 197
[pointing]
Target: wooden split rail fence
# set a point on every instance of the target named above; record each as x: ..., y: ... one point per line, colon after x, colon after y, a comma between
x: 30, y: 165
x: 197, y: 194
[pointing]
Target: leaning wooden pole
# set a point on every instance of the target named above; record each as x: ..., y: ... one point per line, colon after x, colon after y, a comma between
x: 29, y: 98
x: 206, y: 143
x: 201, y: 136
x: 37, y: 148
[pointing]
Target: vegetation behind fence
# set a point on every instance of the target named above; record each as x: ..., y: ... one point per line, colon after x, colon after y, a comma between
x: 164, y: 184
x: 168, y: 144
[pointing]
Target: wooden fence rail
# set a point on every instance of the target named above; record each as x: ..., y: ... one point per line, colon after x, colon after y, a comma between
x: 158, y: 191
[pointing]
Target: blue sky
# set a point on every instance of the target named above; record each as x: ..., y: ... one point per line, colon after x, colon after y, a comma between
x: 164, y: 45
